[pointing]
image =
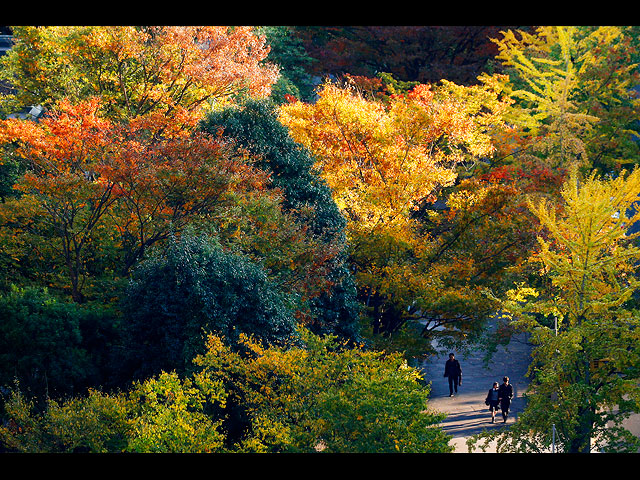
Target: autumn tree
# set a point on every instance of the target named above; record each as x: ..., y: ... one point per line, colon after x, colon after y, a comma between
x: 381, y: 162
x: 87, y: 176
x: 422, y: 53
x: 319, y: 272
x: 585, y: 361
x: 321, y: 395
x: 125, y: 101
x: 136, y: 71
x: 575, y: 93
x: 58, y: 186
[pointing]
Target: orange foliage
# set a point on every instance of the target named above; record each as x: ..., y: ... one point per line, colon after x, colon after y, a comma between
x: 84, y: 170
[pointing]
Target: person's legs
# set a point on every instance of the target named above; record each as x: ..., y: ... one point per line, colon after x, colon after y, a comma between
x: 453, y: 385
x: 505, y: 410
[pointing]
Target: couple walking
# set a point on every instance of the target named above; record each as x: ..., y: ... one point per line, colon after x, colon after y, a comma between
x: 502, y: 396
x: 498, y: 395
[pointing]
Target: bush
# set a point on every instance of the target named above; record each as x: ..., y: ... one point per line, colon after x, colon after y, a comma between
x: 48, y: 344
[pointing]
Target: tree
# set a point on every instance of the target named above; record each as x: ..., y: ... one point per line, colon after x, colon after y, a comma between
x: 425, y: 53
x: 194, y: 288
x: 58, y: 153
x: 584, y: 373
x: 316, y: 396
x: 323, y: 396
x: 382, y: 162
x: 95, y: 423
x: 136, y: 71
x: 575, y: 93
x: 47, y: 344
x: 163, y: 414
x: 171, y: 415
x: 288, y: 52
x: 90, y: 183
x: 307, y: 200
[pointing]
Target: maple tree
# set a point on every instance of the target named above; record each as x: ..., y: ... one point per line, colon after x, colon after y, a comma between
x: 136, y: 71
x: 57, y: 184
x: 87, y: 175
x: 118, y: 152
x: 382, y: 160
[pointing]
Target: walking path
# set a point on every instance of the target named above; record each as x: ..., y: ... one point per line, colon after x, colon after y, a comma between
x: 466, y: 412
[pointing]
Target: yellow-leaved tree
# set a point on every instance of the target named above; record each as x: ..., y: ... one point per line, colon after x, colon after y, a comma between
x: 383, y: 161
x: 574, y: 93
x: 586, y: 360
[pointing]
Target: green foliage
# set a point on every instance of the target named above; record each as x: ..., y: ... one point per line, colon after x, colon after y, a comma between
x: 255, y: 126
x: 96, y: 423
x: 585, y: 373
x: 322, y: 396
x: 52, y: 347
x: 288, y: 52
x: 192, y: 288
x: 317, y: 396
x: 169, y: 415
x: 10, y: 171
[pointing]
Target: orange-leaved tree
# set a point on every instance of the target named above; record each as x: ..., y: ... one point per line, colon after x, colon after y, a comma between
x: 384, y: 160
x: 91, y: 182
x: 173, y: 70
x: 116, y: 155
x: 63, y: 200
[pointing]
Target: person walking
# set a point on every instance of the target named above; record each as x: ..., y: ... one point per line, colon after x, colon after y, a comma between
x: 505, y: 394
x: 492, y: 401
x: 453, y: 371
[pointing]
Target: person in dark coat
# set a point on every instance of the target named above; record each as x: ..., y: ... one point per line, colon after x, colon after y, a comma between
x: 453, y: 371
x: 492, y: 401
x: 505, y: 394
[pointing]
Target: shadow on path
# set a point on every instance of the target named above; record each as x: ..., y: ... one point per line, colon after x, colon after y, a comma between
x: 466, y: 412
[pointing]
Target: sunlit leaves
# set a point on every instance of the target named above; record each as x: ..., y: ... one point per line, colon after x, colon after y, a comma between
x: 322, y: 396
x: 138, y: 70
x: 383, y: 160
x: 97, y: 181
x: 573, y: 87
x: 169, y: 415
x: 584, y: 364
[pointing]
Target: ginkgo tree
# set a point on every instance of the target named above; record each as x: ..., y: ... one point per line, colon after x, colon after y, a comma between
x: 574, y: 92
x: 585, y: 362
